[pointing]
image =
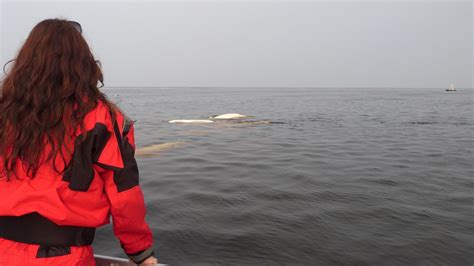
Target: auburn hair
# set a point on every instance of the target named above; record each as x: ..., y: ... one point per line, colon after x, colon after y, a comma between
x: 51, y: 86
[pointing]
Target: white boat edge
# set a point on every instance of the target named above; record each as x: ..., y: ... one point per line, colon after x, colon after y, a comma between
x: 102, y: 260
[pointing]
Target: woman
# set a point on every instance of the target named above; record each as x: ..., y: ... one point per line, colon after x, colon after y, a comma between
x: 66, y: 157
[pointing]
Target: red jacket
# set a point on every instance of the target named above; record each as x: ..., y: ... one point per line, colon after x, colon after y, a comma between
x: 100, y: 179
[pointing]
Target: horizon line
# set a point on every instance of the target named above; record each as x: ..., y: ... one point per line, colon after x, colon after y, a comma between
x: 271, y: 87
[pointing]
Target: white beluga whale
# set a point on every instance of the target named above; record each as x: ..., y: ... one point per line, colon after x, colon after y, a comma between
x: 158, y: 148
x: 211, y: 119
x: 227, y: 119
x: 229, y: 116
x: 190, y: 121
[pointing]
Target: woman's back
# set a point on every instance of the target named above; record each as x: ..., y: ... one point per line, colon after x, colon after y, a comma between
x: 60, y: 196
x: 66, y: 156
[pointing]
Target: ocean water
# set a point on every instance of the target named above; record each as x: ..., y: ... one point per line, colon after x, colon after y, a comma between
x: 340, y: 176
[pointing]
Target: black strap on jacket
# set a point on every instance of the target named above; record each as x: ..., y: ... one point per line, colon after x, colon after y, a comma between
x: 127, y: 123
x: 35, y: 229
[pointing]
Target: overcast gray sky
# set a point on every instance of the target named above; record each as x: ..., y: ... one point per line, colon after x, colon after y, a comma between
x: 265, y: 43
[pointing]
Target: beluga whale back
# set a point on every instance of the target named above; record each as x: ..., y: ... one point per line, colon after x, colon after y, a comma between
x: 211, y: 119
x: 193, y: 121
x: 229, y: 116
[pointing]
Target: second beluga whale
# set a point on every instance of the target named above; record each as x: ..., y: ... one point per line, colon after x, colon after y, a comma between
x: 211, y: 119
x: 229, y: 116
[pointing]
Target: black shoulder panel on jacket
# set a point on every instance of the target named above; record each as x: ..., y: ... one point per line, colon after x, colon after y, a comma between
x: 127, y: 177
x: 79, y: 173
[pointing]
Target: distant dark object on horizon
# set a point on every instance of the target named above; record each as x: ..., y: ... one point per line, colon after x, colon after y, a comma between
x: 451, y: 88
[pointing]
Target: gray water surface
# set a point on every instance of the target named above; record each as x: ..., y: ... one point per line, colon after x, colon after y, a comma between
x: 344, y: 176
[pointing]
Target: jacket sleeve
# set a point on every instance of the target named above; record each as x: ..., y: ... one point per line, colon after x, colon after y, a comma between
x: 123, y: 191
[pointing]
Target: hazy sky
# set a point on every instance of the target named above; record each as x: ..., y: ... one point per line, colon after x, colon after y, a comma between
x: 265, y: 43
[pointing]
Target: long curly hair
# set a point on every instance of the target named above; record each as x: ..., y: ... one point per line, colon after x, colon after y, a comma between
x: 51, y: 86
